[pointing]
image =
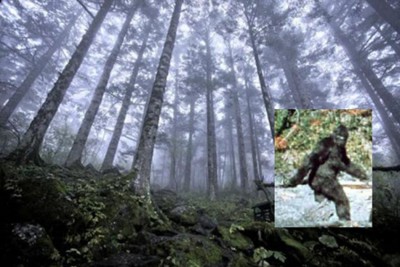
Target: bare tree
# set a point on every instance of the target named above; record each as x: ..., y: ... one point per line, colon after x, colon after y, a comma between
x: 28, y: 149
x: 37, y: 69
x: 251, y: 127
x: 113, y: 145
x: 140, y: 175
x: 387, y: 13
x: 361, y: 66
x: 250, y: 12
x: 238, y: 120
x: 189, y: 149
x: 173, y: 183
x: 75, y: 155
x: 212, y: 185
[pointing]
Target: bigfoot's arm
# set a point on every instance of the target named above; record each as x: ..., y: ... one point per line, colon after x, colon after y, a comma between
x: 356, y: 171
x: 351, y: 168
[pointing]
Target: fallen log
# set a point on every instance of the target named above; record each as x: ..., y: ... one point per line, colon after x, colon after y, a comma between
x: 386, y: 169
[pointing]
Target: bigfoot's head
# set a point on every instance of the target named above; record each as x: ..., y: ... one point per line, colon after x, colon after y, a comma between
x: 340, y: 135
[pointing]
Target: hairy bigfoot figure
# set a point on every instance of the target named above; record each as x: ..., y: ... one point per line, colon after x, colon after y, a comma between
x: 323, y: 165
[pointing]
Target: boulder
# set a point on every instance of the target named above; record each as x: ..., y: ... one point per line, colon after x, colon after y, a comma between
x: 185, y: 215
x: 113, y: 171
x: 165, y: 199
x: 292, y: 245
x: 235, y: 239
x: 30, y: 245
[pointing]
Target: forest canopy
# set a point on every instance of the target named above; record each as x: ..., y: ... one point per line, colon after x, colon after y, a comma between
x: 78, y: 79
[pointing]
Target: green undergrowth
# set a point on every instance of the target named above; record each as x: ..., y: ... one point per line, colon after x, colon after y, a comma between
x: 191, y: 250
x: 227, y: 208
x: 60, y: 217
x: 86, y: 215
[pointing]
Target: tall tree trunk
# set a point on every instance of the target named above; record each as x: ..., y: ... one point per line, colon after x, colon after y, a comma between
x: 140, y: 175
x: 180, y: 168
x: 372, y: 85
x: 37, y: 69
x: 264, y: 89
x: 119, y: 125
x: 387, y: 13
x: 362, y: 67
x: 164, y: 166
x: 251, y: 132
x: 391, y: 132
x: 241, y: 148
x: 173, y: 183
x: 390, y: 128
x: 294, y: 82
x: 189, y: 151
x: 232, y: 161
x: 212, y: 185
x: 239, y: 125
x: 28, y: 149
x: 75, y: 155
x: 260, y: 171
x: 222, y: 163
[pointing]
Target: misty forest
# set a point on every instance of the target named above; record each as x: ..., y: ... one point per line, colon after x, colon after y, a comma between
x: 153, y: 132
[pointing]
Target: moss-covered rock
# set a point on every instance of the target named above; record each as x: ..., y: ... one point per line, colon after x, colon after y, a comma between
x: 36, y: 197
x: 235, y: 239
x: 258, y: 231
x: 31, y: 246
x: 293, y: 245
x: 185, y: 215
x: 226, y: 210
x: 60, y: 217
x: 165, y: 199
x: 85, y: 218
x: 257, y: 225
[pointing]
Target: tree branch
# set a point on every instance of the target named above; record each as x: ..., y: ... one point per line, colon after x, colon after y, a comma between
x: 85, y: 8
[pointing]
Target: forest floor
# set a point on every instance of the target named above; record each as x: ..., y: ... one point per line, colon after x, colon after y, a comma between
x: 60, y: 217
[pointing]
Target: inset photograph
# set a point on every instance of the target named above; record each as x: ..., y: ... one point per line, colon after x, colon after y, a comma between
x: 323, y: 168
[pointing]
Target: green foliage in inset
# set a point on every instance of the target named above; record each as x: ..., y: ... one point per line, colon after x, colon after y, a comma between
x: 308, y: 127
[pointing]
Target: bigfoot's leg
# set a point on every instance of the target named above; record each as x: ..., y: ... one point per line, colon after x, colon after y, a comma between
x: 334, y: 191
x: 343, y: 209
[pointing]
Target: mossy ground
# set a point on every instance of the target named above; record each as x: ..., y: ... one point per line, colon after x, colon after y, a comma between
x: 59, y: 217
